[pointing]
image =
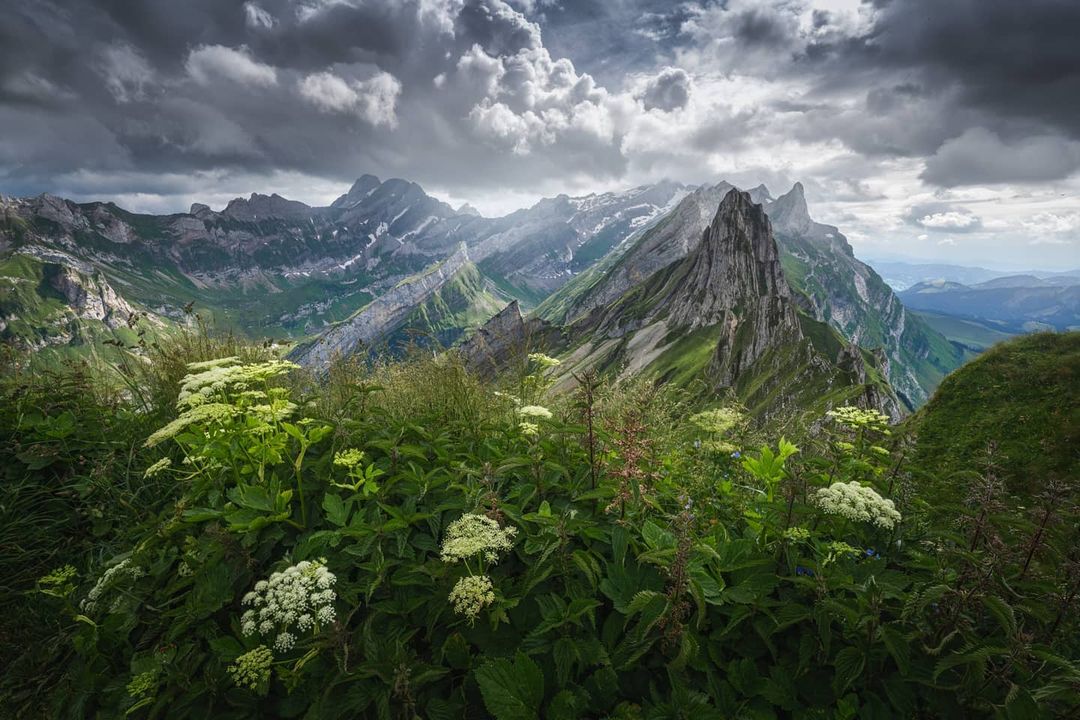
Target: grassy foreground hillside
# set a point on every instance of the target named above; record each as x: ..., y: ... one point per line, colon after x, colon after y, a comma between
x: 1017, y: 407
x: 223, y: 537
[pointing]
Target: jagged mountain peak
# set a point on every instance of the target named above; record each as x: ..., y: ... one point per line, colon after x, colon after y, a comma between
x: 760, y: 194
x: 360, y: 189
x: 737, y: 259
x: 259, y: 207
x: 790, y: 213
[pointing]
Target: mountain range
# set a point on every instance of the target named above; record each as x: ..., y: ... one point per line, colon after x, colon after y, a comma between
x: 386, y: 264
x: 1012, y: 304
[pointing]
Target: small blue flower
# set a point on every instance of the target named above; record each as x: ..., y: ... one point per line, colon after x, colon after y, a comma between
x: 800, y: 570
x: 736, y: 454
x: 872, y: 553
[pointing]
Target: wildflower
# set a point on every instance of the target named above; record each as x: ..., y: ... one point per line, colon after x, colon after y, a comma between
x: 203, y: 413
x: 736, y: 455
x: 252, y: 669
x: 860, y: 504
x: 285, y: 641
x: 858, y: 419
x: 535, y: 411
x: 544, y: 361
x: 718, y: 420
x: 227, y: 375
x: 800, y: 570
x: 348, y: 458
x: 529, y: 428
x: 143, y: 684
x: 157, y: 467
x: 300, y: 596
x: 796, y: 534
x: 472, y: 535
x: 871, y: 553
x: 472, y: 594
x: 111, y: 577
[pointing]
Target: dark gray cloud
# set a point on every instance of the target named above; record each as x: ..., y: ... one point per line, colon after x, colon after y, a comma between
x: 668, y: 90
x: 979, y: 157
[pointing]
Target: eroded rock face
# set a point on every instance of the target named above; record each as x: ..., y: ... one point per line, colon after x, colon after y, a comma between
x: 91, y: 298
x: 379, y: 316
x: 505, y: 341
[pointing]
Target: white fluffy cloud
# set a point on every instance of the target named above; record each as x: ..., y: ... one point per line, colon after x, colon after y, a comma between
x: 207, y: 63
x: 949, y: 220
x: 373, y: 99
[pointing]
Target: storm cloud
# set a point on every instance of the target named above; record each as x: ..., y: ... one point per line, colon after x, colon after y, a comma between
x: 871, y: 104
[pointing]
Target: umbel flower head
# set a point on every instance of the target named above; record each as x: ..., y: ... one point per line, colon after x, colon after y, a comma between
x: 857, y: 418
x: 472, y: 535
x: 300, y: 597
x: 252, y: 669
x: 535, y: 411
x: 855, y: 502
x: 472, y: 594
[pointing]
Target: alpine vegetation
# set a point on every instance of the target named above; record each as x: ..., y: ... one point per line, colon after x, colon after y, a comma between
x: 224, y: 535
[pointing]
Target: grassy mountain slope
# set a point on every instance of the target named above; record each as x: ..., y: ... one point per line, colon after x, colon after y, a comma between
x: 466, y: 301
x: 1024, y: 396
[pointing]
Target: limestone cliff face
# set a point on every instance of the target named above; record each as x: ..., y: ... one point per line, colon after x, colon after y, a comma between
x: 89, y: 297
x: 725, y: 314
x: 733, y: 279
x: 380, y: 315
x: 505, y: 340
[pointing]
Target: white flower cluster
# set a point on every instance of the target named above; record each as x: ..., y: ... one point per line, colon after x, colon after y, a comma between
x: 472, y: 535
x: 300, y: 596
x: 856, y: 418
x: 472, y: 594
x: 111, y: 577
x: 535, y: 411
x: 855, y: 502
x: 217, y: 376
x: 157, y: 468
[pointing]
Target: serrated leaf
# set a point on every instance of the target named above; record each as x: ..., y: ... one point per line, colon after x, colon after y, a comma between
x: 849, y: 664
x: 511, y: 690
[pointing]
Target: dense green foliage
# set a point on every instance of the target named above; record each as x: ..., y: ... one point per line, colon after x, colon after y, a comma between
x: 449, y: 549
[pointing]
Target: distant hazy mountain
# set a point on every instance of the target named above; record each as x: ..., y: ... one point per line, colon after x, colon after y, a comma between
x: 1012, y: 304
x: 269, y: 266
x: 902, y: 275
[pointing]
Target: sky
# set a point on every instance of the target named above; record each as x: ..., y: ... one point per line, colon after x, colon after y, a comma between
x: 944, y: 130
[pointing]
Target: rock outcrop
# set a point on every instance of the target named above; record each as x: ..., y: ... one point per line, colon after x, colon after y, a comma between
x: 505, y: 341
x: 380, y: 315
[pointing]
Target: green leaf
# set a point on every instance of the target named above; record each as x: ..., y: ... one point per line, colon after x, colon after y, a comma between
x: 849, y: 664
x: 512, y: 690
x: 337, y: 510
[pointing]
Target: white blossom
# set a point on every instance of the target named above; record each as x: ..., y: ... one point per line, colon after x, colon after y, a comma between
x: 299, y: 596
x: 860, y: 504
x: 472, y: 535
